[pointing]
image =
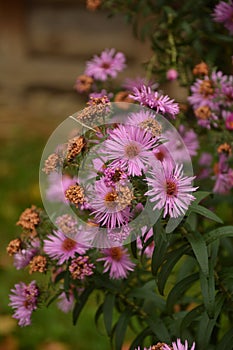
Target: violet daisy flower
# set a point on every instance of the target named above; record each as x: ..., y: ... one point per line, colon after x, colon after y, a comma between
x: 108, y: 64
x: 178, y: 346
x: 130, y: 147
x: 223, y: 177
x: 146, y: 120
x: 114, y: 175
x: 24, y: 301
x: 160, y: 103
x: 64, y: 304
x: 111, y: 204
x: 138, y: 82
x: 190, y: 139
x: 24, y: 256
x: 117, y: 262
x: 81, y: 267
x: 170, y: 189
x: 228, y: 116
x: 60, y: 247
x: 223, y: 13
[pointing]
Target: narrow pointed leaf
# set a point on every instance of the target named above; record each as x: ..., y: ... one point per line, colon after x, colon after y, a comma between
x: 108, y: 307
x: 199, y: 248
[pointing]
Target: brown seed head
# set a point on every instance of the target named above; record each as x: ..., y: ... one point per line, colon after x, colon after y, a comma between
x: 225, y: 148
x: 14, y: 246
x: 201, y: 69
x: 51, y: 164
x: 75, y: 194
x: 29, y: 219
x: 206, y: 88
x: 203, y: 112
x: 75, y: 146
x: 83, y: 83
x: 92, y: 5
x: 38, y: 264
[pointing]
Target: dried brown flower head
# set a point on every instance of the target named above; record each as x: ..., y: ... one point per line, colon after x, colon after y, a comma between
x: 75, y: 146
x: 51, y: 164
x: 123, y: 96
x: 203, y: 112
x: 29, y: 219
x: 92, y: 5
x: 14, y: 246
x: 225, y: 148
x: 201, y: 69
x: 97, y: 110
x: 38, y: 264
x: 206, y: 88
x: 160, y: 346
x: 75, y: 194
x: 83, y: 83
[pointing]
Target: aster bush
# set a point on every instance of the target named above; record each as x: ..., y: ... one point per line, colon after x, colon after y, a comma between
x: 133, y: 188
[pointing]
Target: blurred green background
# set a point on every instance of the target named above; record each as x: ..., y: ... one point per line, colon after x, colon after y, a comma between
x: 43, y: 48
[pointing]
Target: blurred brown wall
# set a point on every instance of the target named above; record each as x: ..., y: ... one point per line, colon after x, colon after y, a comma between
x: 43, y: 48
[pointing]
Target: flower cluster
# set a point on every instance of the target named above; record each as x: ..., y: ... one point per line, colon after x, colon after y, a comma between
x: 175, y: 346
x: 119, y: 186
x: 212, y: 100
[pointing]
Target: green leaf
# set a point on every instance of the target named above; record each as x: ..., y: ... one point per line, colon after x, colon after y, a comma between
x: 98, y: 314
x: 199, y: 209
x: 179, y: 289
x: 206, y: 325
x: 160, y: 249
x: 138, y: 341
x: 200, y: 195
x: 192, y: 316
x: 225, y: 231
x: 120, y: 328
x: 159, y: 328
x: 199, y: 248
x: 134, y: 248
x: 108, y: 307
x: 81, y: 303
x: 226, y: 341
x: 208, y: 292
x: 147, y: 292
x: 60, y: 276
x: 170, y: 261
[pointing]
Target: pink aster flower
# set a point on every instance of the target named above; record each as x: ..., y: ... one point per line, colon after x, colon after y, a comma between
x: 109, y: 206
x: 65, y: 304
x: 179, y: 346
x: 190, y: 139
x: 117, y: 262
x: 101, y: 94
x: 114, y: 175
x: 160, y: 103
x: 130, y: 147
x: 204, y: 163
x: 162, y: 153
x: 24, y: 256
x: 24, y: 301
x: 228, y: 116
x: 60, y: 247
x: 223, y: 177
x: 223, y: 13
x: 108, y: 64
x: 146, y: 120
x: 81, y: 267
x: 138, y: 82
x: 172, y: 74
x: 57, y: 187
x: 170, y: 189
